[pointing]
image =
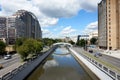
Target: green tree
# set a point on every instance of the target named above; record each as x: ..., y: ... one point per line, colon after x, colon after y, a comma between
x: 2, y: 47
x: 93, y: 40
x: 37, y: 46
x: 23, y: 51
x: 19, y: 41
x: 48, y: 41
x: 71, y: 42
x: 29, y: 47
x: 82, y: 43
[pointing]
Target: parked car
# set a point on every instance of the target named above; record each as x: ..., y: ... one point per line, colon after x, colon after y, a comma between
x: 7, y: 57
x: 1, y: 66
x: 97, y: 54
x: 91, y: 51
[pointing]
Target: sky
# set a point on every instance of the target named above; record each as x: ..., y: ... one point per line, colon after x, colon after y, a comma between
x: 58, y: 18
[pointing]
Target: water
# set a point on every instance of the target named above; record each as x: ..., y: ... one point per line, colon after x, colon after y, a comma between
x: 60, y: 65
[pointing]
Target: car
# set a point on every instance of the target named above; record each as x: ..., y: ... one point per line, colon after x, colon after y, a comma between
x: 91, y: 51
x: 7, y: 57
x: 97, y: 54
x: 100, y: 54
x: 1, y: 66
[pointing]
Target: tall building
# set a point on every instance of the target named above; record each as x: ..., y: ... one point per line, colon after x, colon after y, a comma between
x: 21, y: 24
x: 109, y: 24
x: 3, y: 30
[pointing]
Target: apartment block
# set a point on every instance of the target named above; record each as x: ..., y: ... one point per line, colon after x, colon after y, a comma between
x: 21, y: 24
x: 109, y: 24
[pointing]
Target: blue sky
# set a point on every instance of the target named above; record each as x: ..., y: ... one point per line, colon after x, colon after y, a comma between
x: 78, y: 22
x: 58, y: 19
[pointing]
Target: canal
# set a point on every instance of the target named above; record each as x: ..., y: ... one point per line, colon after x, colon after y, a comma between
x: 60, y: 65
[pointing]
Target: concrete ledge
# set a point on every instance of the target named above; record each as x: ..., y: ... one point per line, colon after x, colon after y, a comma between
x: 101, y: 75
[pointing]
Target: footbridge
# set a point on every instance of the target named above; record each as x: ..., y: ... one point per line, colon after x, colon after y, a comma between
x: 62, y: 44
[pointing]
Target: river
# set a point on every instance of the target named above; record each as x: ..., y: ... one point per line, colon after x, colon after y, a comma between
x: 60, y: 65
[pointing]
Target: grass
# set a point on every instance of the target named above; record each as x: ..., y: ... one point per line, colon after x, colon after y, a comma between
x: 110, y: 66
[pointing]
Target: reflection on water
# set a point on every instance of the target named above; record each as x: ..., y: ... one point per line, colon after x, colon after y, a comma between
x: 61, y: 65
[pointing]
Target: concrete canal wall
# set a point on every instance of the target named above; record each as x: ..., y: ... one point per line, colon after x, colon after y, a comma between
x: 92, y: 68
x: 26, y: 69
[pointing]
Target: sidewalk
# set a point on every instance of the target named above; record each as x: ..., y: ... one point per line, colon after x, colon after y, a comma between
x: 112, y: 53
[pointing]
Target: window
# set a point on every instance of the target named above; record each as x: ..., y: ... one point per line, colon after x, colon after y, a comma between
x: 109, y: 27
x: 109, y: 43
x: 109, y: 39
x: 109, y: 35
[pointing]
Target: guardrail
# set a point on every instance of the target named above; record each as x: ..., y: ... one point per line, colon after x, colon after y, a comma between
x: 113, y: 74
x: 12, y: 73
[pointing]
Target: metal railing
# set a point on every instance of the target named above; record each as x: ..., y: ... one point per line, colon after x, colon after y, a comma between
x: 10, y: 74
x: 113, y: 74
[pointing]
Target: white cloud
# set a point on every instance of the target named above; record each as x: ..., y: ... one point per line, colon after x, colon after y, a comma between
x: 92, y: 27
x: 90, y: 5
x: 45, y: 31
x: 57, y: 8
x: 68, y: 30
x: 48, y: 11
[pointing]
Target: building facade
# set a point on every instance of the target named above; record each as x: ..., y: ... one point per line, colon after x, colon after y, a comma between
x: 22, y: 24
x: 3, y: 30
x: 102, y: 29
x: 27, y: 25
x: 112, y: 23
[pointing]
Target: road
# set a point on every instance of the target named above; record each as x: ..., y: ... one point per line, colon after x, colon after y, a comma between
x: 15, y: 58
x: 107, y: 58
x: 112, y: 60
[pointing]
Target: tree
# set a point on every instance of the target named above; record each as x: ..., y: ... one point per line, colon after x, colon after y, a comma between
x: 71, y: 42
x: 23, y: 51
x: 38, y: 46
x: 82, y: 43
x: 19, y: 41
x: 29, y: 47
x: 2, y: 47
x: 93, y: 40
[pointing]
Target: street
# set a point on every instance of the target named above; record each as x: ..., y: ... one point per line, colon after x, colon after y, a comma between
x: 106, y: 58
x: 15, y: 58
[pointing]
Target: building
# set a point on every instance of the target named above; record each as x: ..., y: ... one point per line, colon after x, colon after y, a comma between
x: 67, y: 39
x: 21, y: 24
x: 93, y: 35
x: 3, y: 30
x: 109, y: 24
x: 27, y: 25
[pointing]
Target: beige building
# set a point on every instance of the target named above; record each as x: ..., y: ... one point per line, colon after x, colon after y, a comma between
x: 109, y: 24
